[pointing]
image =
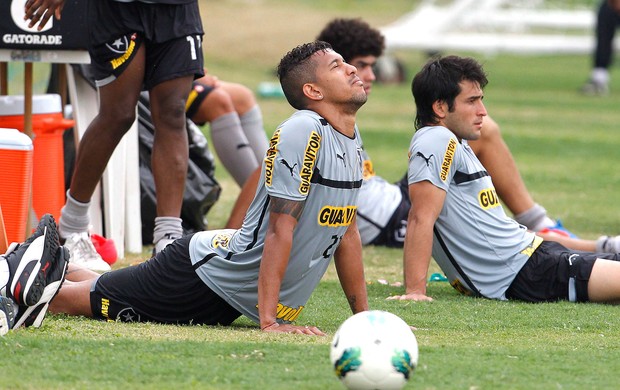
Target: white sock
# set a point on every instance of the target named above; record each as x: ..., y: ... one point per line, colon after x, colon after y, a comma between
x: 600, y: 76
x: 74, y: 217
x: 607, y: 244
x: 535, y: 218
x: 167, y: 226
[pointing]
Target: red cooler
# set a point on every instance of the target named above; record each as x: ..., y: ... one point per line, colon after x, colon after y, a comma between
x: 15, y: 182
x: 48, y: 125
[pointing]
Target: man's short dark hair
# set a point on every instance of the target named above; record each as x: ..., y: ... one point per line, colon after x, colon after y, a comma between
x: 439, y: 80
x: 295, y: 70
x: 353, y: 38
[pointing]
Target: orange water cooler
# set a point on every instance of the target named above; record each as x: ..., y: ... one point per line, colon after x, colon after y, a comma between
x: 15, y: 182
x: 48, y: 125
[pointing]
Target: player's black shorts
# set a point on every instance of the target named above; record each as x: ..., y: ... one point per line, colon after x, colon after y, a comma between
x: 164, y: 289
x: 197, y: 95
x: 171, y: 35
x: 550, y: 271
x: 393, y: 234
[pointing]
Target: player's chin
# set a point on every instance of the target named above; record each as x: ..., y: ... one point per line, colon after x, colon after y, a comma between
x: 474, y: 135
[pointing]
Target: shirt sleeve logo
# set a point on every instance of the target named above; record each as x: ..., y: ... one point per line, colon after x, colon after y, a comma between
x: 288, y: 166
x: 270, y: 157
x: 314, y: 143
x: 447, y: 159
x: 221, y: 240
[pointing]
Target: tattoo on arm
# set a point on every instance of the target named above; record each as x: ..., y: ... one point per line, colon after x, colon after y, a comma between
x: 285, y: 206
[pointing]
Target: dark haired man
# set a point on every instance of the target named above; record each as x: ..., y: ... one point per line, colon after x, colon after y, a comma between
x: 456, y: 217
x: 383, y: 206
x: 296, y: 223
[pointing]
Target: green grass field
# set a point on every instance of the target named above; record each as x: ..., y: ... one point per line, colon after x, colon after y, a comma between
x: 566, y: 147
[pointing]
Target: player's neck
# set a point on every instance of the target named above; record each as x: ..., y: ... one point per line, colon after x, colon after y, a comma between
x: 342, y: 121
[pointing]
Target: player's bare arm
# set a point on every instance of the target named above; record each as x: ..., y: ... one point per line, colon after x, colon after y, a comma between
x: 350, y: 268
x: 426, y: 204
x: 40, y: 11
x: 283, y: 217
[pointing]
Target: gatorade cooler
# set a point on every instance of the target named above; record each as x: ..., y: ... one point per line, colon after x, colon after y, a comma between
x: 48, y: 125
x: 15, y: 182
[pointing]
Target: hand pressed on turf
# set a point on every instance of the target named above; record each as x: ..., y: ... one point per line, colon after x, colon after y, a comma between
x: 287, y: 328
x: 410, y: 297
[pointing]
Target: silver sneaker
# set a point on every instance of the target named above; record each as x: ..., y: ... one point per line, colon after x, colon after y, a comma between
x: 593, y: 88
x: 83, y: 252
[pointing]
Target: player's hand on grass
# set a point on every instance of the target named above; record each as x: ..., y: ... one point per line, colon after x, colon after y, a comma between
x: 288, y: 328
x: 411, y: 297
x: 40, y: 11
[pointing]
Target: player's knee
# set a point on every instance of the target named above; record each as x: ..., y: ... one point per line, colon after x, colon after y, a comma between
x: 119, y: 118
x: 490, y: 129
x: 244, y: 99
x: 170, y: 116
x: 217, y: 103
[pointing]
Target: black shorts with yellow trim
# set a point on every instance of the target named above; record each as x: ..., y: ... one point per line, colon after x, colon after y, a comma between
x: 554, y: 273
x: 196, y: 96
x: 393, y: 234
x: 170, y: 34
x: 164, y: 289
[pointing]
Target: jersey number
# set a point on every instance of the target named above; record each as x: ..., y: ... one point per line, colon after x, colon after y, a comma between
x: 328, y: 252
x: 193, y: 45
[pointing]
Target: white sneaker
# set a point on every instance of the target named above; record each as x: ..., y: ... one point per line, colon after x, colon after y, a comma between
x: 83, y: 252
x: 594, y: 88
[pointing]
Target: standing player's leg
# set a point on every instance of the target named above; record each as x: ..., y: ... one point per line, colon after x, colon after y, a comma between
x: 117, y: 102
x: 117, y: 113
x: 170, y: 156
x: 171, y: 67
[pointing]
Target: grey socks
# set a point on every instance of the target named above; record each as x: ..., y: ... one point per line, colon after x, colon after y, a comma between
x: 535, y: 218
x: 167, y: 227
x: 74, y: 217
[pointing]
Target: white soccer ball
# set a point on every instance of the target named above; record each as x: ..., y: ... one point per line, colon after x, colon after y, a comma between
x: 374, y: 350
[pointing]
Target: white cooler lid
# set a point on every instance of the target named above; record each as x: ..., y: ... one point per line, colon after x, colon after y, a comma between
x: 41, y: 104
x: 13, y: 139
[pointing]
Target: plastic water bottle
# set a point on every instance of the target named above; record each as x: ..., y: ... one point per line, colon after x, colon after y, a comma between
x: 267, y: 89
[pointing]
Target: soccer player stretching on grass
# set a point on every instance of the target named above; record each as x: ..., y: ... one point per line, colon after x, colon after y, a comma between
x: 302, y: 215
x: 456, y: 216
